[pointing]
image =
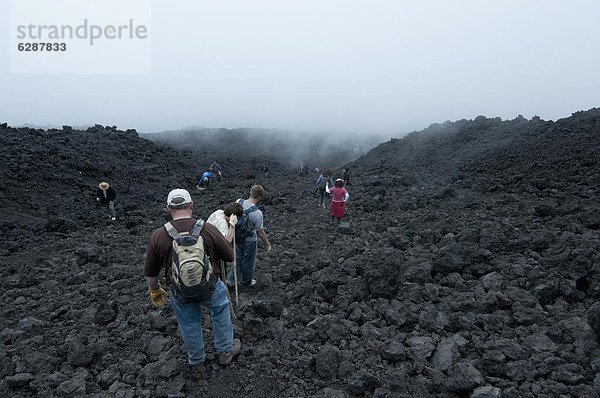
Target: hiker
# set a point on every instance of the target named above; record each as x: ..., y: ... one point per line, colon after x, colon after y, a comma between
x: 225, y: 220
x: 338, y: 201
x: 215, y: 168
x: 305, y: 169
x: 322, y: 183
x: 106, y: 196
x: 187, y: 308
x: 346, y: 176
x: 265, y: 169
x: 204, y: 181
x: 245, y: 250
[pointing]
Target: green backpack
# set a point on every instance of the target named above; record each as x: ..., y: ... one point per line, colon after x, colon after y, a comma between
x: 191, y: 269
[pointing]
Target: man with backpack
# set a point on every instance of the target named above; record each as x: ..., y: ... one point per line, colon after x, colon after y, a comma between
x: 249, y: 229
x: 187, y: 248
x: 322, y: 183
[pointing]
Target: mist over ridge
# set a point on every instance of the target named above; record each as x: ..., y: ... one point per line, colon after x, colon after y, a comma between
x: 291, y: 148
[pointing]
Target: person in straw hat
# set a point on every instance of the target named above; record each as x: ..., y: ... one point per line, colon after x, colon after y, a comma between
x: 106, y: 197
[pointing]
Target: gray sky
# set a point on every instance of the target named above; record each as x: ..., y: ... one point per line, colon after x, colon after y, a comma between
x: 384, y: 66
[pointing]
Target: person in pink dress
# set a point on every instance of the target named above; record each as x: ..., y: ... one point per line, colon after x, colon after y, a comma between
x: 339, y: 197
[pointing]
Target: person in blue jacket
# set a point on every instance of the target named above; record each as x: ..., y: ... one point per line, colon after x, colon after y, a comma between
x: 204, y: 181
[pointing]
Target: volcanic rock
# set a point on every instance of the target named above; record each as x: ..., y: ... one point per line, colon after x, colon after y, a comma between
x: 327, y: 362
x: 471, y: 259
x: 464, y: 377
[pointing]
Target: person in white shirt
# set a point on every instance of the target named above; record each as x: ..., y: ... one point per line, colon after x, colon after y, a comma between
x: 226, y: 219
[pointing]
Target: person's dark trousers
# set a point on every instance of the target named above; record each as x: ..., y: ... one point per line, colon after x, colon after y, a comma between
x: 321, y: 196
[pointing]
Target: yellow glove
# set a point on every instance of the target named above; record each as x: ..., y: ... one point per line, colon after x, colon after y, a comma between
x: 158, y: 297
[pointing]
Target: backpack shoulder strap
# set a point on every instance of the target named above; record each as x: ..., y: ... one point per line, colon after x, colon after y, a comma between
x: 251, y: 209
x: 195, y: 232
x: 172, y: 231
x: 240, y: 201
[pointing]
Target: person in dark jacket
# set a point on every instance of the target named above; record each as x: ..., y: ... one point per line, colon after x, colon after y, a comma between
x: 215, y: 168
x: 346, y: 176
x: 106, y: 196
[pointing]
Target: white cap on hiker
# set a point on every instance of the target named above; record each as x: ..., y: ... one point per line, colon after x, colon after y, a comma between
x: 179, y: 193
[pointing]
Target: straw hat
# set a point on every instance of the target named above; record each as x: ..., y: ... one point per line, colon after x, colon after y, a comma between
x: 103, y: 186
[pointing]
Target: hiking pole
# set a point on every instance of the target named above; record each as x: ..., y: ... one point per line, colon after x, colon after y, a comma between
x: 235, y: 284
x: 227, y: 291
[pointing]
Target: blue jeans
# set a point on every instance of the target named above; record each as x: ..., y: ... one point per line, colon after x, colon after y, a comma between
x: 111, y: 208
x: 189, y: 317
x: 245, y: 257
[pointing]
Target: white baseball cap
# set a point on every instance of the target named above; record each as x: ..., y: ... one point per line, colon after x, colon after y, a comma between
x: 179, y: 193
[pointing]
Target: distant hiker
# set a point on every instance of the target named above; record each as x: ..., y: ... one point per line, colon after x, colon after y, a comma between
x: 245, y: 250
x: 265, y: 170
x: 225, y: 220
x: 187, y: 295
x: 204, y: 181
x: 322, y: 183
x: 346, y: 176
x: 106, y: 195
x: 338, y: 201
x: 305, y: 169
x: 215, y: 168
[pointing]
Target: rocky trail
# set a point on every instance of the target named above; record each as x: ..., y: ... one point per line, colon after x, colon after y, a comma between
x: 470, y: 268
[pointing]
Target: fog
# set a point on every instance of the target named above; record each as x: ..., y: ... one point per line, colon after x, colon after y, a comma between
x: 288, y: 148
x: 386, y: 67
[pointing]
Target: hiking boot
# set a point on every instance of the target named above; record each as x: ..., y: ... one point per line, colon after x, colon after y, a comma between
x: 249, y: 288
x: 113, y: 218
x: 197, y: 370
x: 226, y: 357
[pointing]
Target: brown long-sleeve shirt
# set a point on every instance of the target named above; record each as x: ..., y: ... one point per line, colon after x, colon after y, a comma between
x: 160, y: 247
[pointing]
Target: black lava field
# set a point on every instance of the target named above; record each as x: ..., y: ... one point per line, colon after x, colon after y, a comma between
x: 469, y: 267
